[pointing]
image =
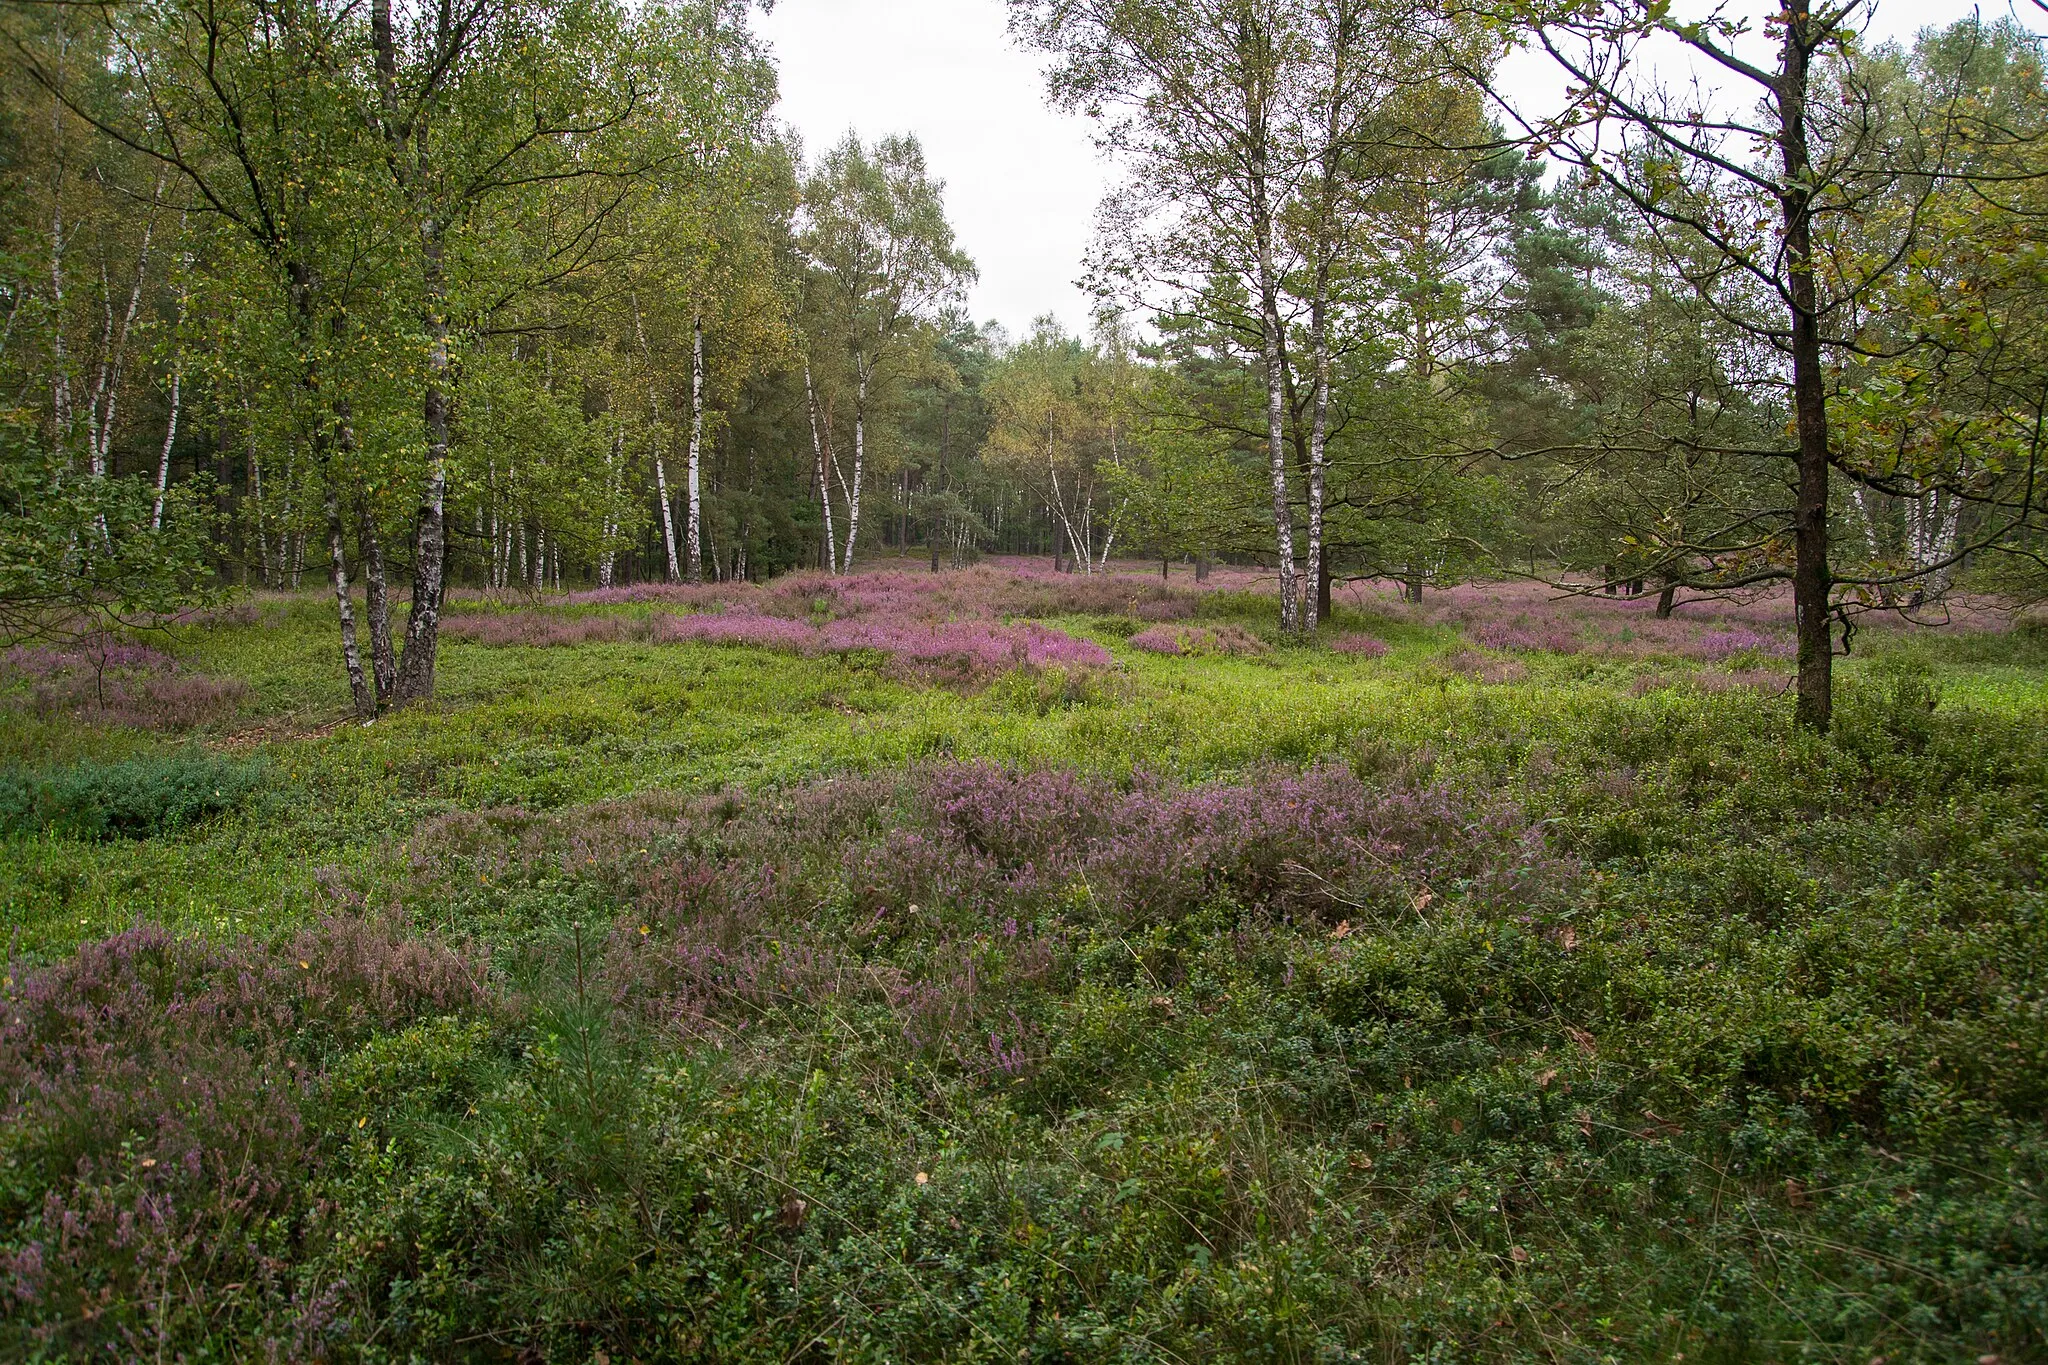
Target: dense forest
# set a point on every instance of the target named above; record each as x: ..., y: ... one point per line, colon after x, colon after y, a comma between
x: 593, y: 769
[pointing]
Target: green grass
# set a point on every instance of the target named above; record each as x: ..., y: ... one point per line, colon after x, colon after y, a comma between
x: 1752, y: 1070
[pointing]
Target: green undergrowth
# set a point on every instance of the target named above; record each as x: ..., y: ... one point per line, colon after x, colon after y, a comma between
x: 681, y: 1003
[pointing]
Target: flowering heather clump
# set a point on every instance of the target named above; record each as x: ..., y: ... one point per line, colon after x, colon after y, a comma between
x: 533, y: 630
x: 700, y: 596
x: 739, y: 628
x: 981, y: 647
x: 1715, y: 646
x: 1485, y: 667
x: 1199, y: 640
x: 158, y: 1089
x: 1550, y: 637
x: 1289, y: 842
x: 1362, y: 646
x: 32, y: 662
x: 120, y: 684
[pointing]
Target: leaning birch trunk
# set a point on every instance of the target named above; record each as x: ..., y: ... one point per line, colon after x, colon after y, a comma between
x: 106, y: 393
x: 1276, y: 418
x: 860, y: 451
x: 694, y: 525
x: 60, y: 370
x: 668, y: 514
x: 163, y: 461
x: 163, y: 464
x: 824, y: 488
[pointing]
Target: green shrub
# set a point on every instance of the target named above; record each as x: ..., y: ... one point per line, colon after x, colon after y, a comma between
x: 136, y: 799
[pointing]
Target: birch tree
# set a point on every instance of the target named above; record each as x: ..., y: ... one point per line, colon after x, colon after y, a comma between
x: 1245, y: 126
x: 875, y: 236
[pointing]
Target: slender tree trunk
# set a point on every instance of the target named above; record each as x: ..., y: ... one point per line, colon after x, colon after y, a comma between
x: 860, y: 454
x: 831, y: 564
x: 60, y: 365
x: 304, y: 292
x: 106, y: 395
x: 430, y: 543
x: 668, y: 514
x: 608, y: 554
x: 1812, y: 584
x: 163, y: 462
x: 376, y: 603
x: 337, y: 578
x: 694, y: 523
x: 1276, y: 421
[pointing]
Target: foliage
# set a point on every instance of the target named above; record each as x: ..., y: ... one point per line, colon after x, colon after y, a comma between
x: 81, y: 554
x: 1274, y: 1005
x: 141, y: 798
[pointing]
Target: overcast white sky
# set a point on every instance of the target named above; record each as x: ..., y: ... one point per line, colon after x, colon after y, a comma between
x: 1022, y: 181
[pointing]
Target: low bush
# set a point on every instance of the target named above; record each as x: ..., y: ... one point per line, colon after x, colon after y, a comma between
x: 1360, y: 646
x: 1197, y: 641
x: 137, y: 799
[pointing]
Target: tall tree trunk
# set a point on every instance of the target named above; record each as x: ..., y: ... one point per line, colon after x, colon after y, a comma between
x: 163, y: 462
x: 60, y: 364
x: 694, y: 522
x: 860, y: 455
x: 304, y: 291
x: 376, y: 603
x: 668, y: 512
x: 608, y: 553
x: 106, y: 389
x: 1270, y: 325
x: 376, y: 593
x: 831, y: 564
x: 430, y: 543
x: 1812, y: 583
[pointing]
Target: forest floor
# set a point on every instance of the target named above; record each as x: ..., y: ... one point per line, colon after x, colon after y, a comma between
x: 1007, y: 965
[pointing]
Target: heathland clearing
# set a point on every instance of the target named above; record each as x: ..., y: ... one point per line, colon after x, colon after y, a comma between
x: 1529, y: 988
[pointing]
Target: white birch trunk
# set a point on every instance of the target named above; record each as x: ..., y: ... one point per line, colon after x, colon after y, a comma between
x: 106, y: 395
x: 668, y: 512
x: 1276, y: 413
x: 860, y: 435
x: 694, y: 523
x: 824, y: 488
x: 609, y: 554
x: 163, y: 463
